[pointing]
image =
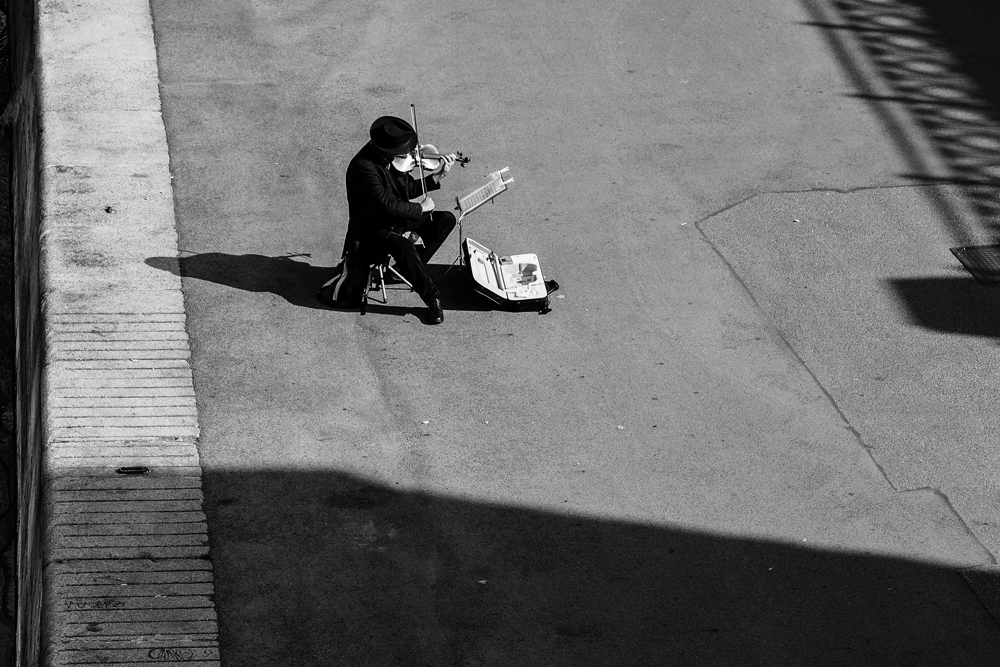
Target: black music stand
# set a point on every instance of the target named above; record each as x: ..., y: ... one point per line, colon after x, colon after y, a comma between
x: 473, y: 198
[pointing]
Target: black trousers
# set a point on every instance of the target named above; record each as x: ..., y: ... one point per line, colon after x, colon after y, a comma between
x: 411, y: 261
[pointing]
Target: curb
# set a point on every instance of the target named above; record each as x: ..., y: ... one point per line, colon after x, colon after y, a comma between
x: 125, y: 572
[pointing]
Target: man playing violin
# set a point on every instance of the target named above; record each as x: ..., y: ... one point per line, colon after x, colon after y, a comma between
x: 389, y: 214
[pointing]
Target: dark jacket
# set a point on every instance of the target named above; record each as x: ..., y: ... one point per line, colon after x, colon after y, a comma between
x: 378, y: 197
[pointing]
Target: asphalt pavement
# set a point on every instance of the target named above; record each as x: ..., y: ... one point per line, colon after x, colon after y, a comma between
x: 717, y: 449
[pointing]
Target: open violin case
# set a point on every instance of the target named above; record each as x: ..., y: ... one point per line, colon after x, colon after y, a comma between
x: 514, y: 282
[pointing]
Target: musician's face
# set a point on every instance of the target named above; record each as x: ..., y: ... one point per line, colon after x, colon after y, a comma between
x: 404, y: 163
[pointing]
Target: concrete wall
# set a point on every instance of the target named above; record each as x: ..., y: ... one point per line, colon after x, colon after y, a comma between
x: 21, y: 121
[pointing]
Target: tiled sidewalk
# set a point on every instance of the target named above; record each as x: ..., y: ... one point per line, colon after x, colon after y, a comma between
x: 127, y: 578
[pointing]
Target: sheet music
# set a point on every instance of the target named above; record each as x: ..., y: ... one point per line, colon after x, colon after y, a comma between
x: 482, y: 194
x: 475, y: 197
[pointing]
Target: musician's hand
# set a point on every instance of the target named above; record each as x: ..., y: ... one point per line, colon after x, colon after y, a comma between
x: 449, y: 162
x: 427, y: 204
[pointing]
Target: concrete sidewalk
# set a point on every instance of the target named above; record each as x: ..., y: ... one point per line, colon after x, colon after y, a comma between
x: 125, y: 574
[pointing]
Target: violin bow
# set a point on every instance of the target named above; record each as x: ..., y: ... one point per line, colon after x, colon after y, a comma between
x: 413, y: 118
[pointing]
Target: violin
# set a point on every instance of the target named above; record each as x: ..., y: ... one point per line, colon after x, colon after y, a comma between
x: 432, y: 160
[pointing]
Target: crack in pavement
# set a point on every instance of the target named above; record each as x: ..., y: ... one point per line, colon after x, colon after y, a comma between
x: 802, y: 363
x: 840, y: 191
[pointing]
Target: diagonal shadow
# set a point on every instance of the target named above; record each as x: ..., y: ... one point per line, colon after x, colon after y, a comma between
x: 292, y: 280
x: 317, y: 568
x: 930, y: 69
x: 297, y: 281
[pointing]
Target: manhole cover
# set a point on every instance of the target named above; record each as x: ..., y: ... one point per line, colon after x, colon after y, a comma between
x: 982, y: 261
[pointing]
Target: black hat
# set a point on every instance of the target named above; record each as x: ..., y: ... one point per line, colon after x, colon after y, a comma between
x: 393, y: 135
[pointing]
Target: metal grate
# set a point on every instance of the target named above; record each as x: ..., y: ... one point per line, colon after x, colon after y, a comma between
x: 982, y: 261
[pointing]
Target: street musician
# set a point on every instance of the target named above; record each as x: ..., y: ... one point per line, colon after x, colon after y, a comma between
x: 391, y: 212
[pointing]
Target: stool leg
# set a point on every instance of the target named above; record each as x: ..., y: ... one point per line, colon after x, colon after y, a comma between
x: 381, y: 280
x: 400, y: 276
x: 364, y: 292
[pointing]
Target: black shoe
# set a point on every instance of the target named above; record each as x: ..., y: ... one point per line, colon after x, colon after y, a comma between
x: 435, y: 313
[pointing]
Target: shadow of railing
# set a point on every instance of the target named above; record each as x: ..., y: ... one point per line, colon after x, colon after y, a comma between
x: 932, y: 70
x: 322, y: 567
